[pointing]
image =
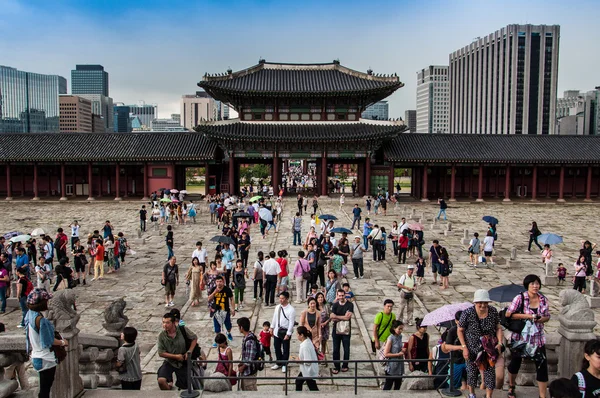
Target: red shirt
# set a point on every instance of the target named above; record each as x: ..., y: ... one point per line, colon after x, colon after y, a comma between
x: 116, y: 248
x: 265, y: 338
x: 282, y: 266
x: 99, y: 253
x: 403, y: 240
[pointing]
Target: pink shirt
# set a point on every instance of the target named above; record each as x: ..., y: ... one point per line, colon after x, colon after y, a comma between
x: 302, y: 265
x: 581, y: 272
x: 3, y: 273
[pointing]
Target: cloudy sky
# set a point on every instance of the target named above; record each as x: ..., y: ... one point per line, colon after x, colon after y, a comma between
x: 157, y: 50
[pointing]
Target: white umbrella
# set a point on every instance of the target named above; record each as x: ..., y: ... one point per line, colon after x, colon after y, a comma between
x: 183, y: 191
x: 37, y: 232
x: 265, y: 214
x: 174, y: 191
x: 20, y: 238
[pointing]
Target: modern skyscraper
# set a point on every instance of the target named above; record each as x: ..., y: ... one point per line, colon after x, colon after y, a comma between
x: 121, y: 118
x: 146, y: 113
x: 102, y: 106
x: 198, y: 107
x: 89, y: 79
x: 506, y: 82
x: 433, y: 100
x: 29, y: 101
x: 75, y: 114
x: 167, y: 125
x: 377, y: 111
x: 410, y: 118
x: 578, y: 114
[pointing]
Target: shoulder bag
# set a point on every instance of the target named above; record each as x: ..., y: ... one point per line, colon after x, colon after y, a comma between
x: 381, y: 331
x: 342, y: 328
x: 305, y: 274
x: 281, y: 333
x: 514, y: 325
x: 188, y: 343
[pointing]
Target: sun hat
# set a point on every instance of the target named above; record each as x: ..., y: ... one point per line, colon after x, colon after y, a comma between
x: 37, y: 295
x: 481, y: 296
x: 410, y: 266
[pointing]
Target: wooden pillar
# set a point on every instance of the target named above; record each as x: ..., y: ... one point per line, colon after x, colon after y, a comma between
x: 146, y: 196
x: 324, y: 175
x: 368, y: 175
x: 126, y: 194
x: 548, y: 184
x: 117, y: 182
x: 391, y: 180
x: 588, y: 185
x: 453, y: 183
x: 471, y: 182
x: 507, y: 185
x: 63, y: 184
x: 8, y: 183
x: 497, y: 183
x: 100, y: 181
x: 561, y: 185
x: 35, y: 182
x: 480, y: 185
x: 22, y: 181
x: 534, y: 184
x: 90, y: 182
x: 574, y: 183
x: 231, y: 175
x: 205, y: 177
x: 275, y: 174
x: 424, y: 197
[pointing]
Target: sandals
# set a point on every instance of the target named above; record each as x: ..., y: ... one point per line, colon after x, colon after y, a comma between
x: 344, y: 369
x: 511, y: 392
x: 335, y: 371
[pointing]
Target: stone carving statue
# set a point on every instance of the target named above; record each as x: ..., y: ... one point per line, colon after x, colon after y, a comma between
x: 62, y: 311
x: 115, y: 317
x: 575, y: 306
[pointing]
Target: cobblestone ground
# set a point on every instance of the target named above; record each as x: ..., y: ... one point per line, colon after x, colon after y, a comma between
x: 139, y: 280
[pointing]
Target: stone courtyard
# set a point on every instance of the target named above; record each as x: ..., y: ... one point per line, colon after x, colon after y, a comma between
x: 138, y: 282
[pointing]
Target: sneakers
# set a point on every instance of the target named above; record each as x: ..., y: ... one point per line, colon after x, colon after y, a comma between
x: 355, y: 278
x: 410, y: 323
x: 275, y: 367
x: 84, y: 282
x: 171, y: 304
x: 283, y: 369
x: 229, y: 337
x: 167, y: 305
x: 20, y: 326
x: 362, y: 277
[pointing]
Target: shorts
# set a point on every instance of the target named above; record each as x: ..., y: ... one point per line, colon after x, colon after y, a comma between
x: 435, y: 267
x: 166, y: 371
x: 226, y: 322
x: 170, y: 289
x: 79, y: 266
x: 284, y: 281
x: 487, y: 254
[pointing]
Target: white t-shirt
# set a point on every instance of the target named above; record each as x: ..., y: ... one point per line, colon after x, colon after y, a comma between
x: 271, y: 267
x: 259, y: 269
x: 200, y: 254
x: 403, y: 227
x: 75, y: 230
x: 488, y: 244
x: 48, y: 250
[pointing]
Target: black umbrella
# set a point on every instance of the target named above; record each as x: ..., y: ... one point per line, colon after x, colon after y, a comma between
x: 327, y: 217
x: 222, y: 239
x: 341, y: 230
x: 241, y: 214
x: 506, y: 293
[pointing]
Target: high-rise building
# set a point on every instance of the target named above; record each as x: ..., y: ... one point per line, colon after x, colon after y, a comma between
x: 377, y: 111
x: 122, y: 118
x: 146, y: 113
x: 176, y: 116
x: 75, y: 114
x: 198, y: 107
x: 98, y: 124
x: 29, y: 101
x: 102, y: 106
x: 89, y: 79
x: 578, y: 114
x: 410, y: 119
x: 433, y: 100
x: 167, y: 125
x: 506, y: 82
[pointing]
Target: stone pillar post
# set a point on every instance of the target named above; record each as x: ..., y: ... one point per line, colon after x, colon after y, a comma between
x: 63, y: 183
x: 561, y: 185
x: 90, y: 182
x: 513, y: 262
x: 368, y: 175
x: 465, y: 239
x: 118, y: 182
x: 534, y: 185
x: 588, y: 185
x: 452, y: 184
x: 424, y: 197
x: 35, y: 182
x: 324, y: 174
x: 480, y: 185
x: 507, y: 185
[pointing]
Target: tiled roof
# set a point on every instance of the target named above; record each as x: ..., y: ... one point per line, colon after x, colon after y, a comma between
x: 104, y: 147
x: 475, y: 148
x: 294, y: 79
x: 301, y: 131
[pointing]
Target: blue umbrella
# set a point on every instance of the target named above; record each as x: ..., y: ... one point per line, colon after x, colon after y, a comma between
x: 327, y: 217
x: 550, y: 239
x: 341, y: 230
x: 490, y: 219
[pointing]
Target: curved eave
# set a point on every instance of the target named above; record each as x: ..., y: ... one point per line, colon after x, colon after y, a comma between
x: 217, y: 92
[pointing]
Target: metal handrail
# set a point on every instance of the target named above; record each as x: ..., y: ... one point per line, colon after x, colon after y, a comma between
x: 449, y: 392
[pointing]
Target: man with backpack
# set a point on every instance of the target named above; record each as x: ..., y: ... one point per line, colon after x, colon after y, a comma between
x: 251, y: 351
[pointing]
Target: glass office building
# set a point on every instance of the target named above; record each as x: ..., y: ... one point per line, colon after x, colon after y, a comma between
x: 89, y: 79
x: 29, y: 102
x: 122, y: 119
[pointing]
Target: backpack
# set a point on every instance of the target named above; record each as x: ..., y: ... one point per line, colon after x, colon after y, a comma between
x: 122, y: 245
x: 589, y: 270
x: 580, y: 383
x: 260, y: 356
x: 29, y: 287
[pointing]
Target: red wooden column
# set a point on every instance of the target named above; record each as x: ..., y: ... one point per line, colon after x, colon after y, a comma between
x: 275, y: 174
x: 90, y: 182
x: 588, y: 186
x: 35, y: 182
x: 231, y: 175
x: 534, y: 185
x: 8, y: 183
x: 324, y: 175
x: 391, y: 179
x: 507, y: 185
x: 480, y: 185
x: 63, y: 183
x: 561, y: 185
x: 368, y: 175
x: 118, y: 182
x: 424, y: 197
x: 205, y: 177
x: 452, y: 183
x: 146, y: 197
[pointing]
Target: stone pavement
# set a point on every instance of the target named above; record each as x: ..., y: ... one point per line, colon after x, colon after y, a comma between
x: 139, y: 280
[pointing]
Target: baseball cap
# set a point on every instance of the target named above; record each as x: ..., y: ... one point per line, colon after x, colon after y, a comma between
x: 37, y: 295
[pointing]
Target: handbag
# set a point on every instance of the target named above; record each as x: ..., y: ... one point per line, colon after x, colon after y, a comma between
x: 281, y: 333
x: 408, y: 296
x: 342, y: 328
x: 514, y: 325
x: 64, y: 284
x: 59, y: 351
x: 188, y: 343
x: 344, y: 270
x: 305, y: 274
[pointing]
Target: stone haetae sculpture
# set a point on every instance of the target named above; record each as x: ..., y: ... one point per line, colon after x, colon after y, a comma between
x: 575, y: 306
x: 115, y: 319
x: 62, y: 311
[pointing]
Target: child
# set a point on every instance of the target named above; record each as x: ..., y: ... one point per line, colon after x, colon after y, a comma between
x: 224, y: 356
x: 283, y: 276
x: 239, y: 284
x: 128, y: 357
x: 265, y: 339
x: 561, y: 272
x: 347, y: 292
x: 420, y: 264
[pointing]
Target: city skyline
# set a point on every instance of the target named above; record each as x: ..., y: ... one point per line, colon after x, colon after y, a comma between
x: 399, y: 37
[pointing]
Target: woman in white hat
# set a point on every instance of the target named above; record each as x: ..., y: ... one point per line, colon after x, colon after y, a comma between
x: 476, y: 322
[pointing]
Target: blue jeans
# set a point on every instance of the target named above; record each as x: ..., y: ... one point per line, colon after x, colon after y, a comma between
x: 459, y: 370
x: 117, y: 263
x: 3, y: 299
x: 271, y: 224
x: 297, y: 238
x: 442, y: 211
x: 366, y: 241
x: 170, y: 249
x: 356, y: 221
x: 344, y: 341
x: 24, y: 309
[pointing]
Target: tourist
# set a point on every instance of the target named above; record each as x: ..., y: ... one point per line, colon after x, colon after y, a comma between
x: 201, y: 254
x: 394, y: 351
x: 60, y: 244
x: 297, y: 229
x: 128, y: 358
x: 532, y: 306
x: 356, y: 212
x: 169, y: 242
x: 420, y: 266
x: 586, y: 250
x: 367, y: 228
x: 473, y: 250
x: 193, y: 278
x: 488, y: 247
x: 477, y: 322
x: 170, y: 280
x: 337, y: 262
x: 382, y: 324
x: 271, y: 270
x: 534, y: 232
x: 418, y: 348
x: 98, y: 260
x: 265, y: 338
x: 403, y: 241
x: 325, y: 319
x: 250, y: 348
x: 74, y: 232
x: 561, y: 273
x: 143, y: 215
x: 310, y: 318
x: 341, y: 315
x: 445, y: 268
x: 443, y: 207
x: 588, y: 379
x: 221, y: 298
x: 224, y: 357
x: 228, y: 256
x: 239, y: 284
x: 172, y: 347
x: 22, y: 261
x: 383, y: 199
x: 109, y: 253
x: 283, y: 276
x: 301, y: 275
x: 79, y: 260
x: 376, y: 236
x: 312, y: 234
x: 308, y: 370
x: 547, y: 258
x: 155, y: 216
x: 357, y: 250
x: 368, y: 204
x: 122, y: 250
x: 42, y: 271
x: 257, y: 276
x: 315, y: 205
x: 332, y: 286
x: 282, y: 327
x: 300, y: 200
x: 40, y: 339
x: 376, y: 204
x: 24, y: 287
x: 579, y: 280
x: 434, y: 259
x: 342, y: 201
x: 394, y: 235
x: 565, y: 388
x: 107, y: 229
x: 407, y: 286
x: 452, y: 345
x: 49, y: 250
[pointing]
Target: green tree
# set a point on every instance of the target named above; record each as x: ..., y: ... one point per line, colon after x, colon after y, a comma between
x: 191, y: 173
